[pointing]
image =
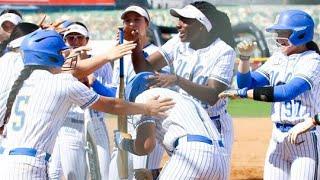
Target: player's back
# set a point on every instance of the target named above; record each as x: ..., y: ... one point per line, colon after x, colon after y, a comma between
x: 186, y: 117
x: 40, y: 108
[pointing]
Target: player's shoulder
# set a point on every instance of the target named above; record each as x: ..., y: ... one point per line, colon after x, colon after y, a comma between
x: 222, y: 46
x: 310, y: 55
x: 150, y: 48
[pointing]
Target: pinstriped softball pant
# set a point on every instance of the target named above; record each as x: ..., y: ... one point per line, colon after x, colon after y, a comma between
x: 196, y: 160
x: 295, y: 162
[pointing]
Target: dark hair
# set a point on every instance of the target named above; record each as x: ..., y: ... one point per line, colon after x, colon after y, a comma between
x: 25, y: 74
x: 313, y: 46
x: 221, y: 25
x: 18, y: 31
x: 11, y: 11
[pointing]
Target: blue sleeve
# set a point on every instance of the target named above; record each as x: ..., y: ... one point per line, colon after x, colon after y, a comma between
x: 103, y: 90
x: 290, y: 90
x: 251, y: 80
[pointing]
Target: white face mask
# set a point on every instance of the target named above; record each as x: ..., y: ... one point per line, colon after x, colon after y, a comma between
x: 278, y: 44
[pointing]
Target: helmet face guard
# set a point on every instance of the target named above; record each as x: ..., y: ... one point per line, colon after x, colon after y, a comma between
x: 70, y: 62
x: 298, y: 22
x: 43, y: 47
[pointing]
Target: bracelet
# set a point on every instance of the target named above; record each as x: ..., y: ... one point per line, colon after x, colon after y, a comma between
x: 244, y: 58
x: 316, y: 119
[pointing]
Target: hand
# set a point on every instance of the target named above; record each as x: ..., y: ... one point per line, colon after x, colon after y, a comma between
x: 91, y: 79
x: 52, y: 26
x: 234, y: 93
x: 142, y: 174
x: 298, y: 129
x: 158, y: 107
x: 162, y: 80
x: 246, y: 48
x: 120, y: 50
x: 119, y: 137
x: 130, y: 34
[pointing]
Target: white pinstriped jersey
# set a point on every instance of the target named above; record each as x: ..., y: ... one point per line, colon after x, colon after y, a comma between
x: 186, y: 117
x: 10, y: 66
x: 280, y: 69
x: 41, y: 106
x: 213, y: 62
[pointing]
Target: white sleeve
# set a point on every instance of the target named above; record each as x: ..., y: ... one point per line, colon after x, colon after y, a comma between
x: 81, y: 94
x: 139, y: 119
x: 308, y: 69
x: 167, y: 50
x: 222, y: 71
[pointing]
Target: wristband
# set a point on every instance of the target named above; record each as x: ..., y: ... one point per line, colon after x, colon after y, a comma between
x: 244, y: 58
x: 242, y: 92
x: 316, y: 119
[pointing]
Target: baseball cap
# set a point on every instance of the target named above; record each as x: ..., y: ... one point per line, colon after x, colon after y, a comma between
x: 136, y: 9
x: 11, y: 17
x: 77, y: 28
x: 192, y: 12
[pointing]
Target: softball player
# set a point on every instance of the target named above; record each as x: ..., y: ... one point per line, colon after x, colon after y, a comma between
x: 135, y: 17
x: 69, y: 151
x: 39, y: 101
x: 187, y: 133
x: 290, y: 80
x: 201, y: 58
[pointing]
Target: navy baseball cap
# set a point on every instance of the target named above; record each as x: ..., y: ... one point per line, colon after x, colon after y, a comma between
x: 137, y: 85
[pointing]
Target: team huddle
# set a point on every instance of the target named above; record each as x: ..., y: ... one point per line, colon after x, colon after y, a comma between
x: 175, y: 97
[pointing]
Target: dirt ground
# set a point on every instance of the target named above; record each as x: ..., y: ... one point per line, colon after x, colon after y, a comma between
x: 250, y: 145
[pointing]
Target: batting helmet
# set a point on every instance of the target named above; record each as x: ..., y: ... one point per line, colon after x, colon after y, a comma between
x: 137, y: 85
x: 299, y: 22
x: 43, y: 47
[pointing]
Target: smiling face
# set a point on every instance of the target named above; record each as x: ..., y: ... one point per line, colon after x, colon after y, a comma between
x: 189, y: 29
x: 283, y: 41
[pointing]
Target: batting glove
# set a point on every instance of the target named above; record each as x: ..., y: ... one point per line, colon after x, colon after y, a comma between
x: 119, y: 138
x: 234, y: 93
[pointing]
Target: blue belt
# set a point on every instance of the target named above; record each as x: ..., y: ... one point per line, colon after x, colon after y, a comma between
x: 73, y: 120
x: 197, y: 138
x: 24, y: 151
x: 284, y: 127
x: 217, y: 123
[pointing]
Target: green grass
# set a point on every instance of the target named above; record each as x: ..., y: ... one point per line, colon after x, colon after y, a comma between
x: 248, y: 108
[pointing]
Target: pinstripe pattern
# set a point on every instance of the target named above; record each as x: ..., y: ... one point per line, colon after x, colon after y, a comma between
x: 71, y: 153
x: 152, y: 161
x: 188, y: 160
x: 213, y: 62
x: 49, y: 99
x: 285, y: 160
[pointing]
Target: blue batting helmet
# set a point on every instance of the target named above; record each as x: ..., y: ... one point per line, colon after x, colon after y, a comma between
x: 299, y: 22
x: 43, y: 47
x: 137, y: 85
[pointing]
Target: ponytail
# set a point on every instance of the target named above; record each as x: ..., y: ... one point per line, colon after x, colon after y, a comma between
x: 313, y: 47
x: 17, y: 85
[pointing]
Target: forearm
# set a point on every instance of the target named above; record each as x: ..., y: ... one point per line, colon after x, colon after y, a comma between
x: 203, y: 93
x: 139, y: 62
x: 89, y: 65
x: 244, y: 67
x: 99, y: 88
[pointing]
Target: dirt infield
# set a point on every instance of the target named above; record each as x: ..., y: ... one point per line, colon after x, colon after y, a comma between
x: 250, y: 145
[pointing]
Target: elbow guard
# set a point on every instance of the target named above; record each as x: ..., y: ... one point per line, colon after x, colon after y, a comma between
x: 264, y: 94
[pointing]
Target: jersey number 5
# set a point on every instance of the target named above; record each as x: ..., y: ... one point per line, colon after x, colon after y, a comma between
x: 19, y: 112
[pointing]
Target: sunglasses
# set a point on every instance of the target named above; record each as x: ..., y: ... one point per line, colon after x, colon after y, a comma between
x: 75, y: 37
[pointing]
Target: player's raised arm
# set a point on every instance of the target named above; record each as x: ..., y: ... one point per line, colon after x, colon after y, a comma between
x: 88, y: 66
